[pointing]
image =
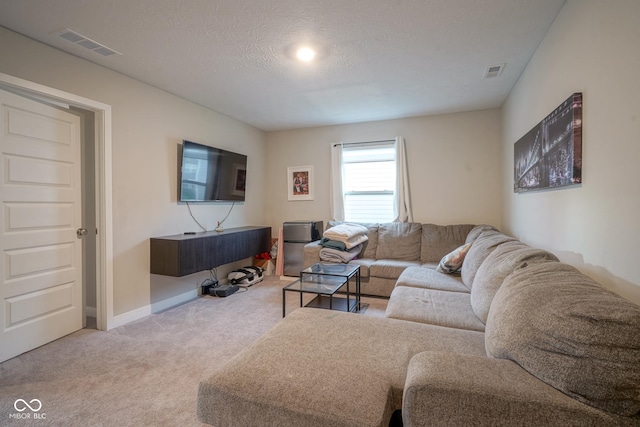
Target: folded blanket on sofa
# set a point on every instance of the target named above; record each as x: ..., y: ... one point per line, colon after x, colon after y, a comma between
x: 343, y: 245
x: 333, y: 244
x: 344, y: 232
x: 334, y: 255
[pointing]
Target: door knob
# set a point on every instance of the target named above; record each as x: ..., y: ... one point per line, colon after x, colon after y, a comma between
x: 81, y: 232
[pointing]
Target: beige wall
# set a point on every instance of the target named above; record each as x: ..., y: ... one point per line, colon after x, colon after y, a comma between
x: 148, y: 125
x: 590, y: 48
x: 453, y: 162
x: 460, y: 165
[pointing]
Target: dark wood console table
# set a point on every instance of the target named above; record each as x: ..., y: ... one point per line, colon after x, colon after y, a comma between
x: 183, y: 254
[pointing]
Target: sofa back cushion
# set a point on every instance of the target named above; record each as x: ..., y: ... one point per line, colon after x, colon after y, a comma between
x: 499, y: 264
x: 477, y: 230
x: 399, y: 240
x: 568, y: 331
x: 370, y: 246
x: 439, y: 240
x: 481, y: 247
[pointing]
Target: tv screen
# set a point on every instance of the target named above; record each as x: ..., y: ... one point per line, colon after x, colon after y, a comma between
x: 210, y: 174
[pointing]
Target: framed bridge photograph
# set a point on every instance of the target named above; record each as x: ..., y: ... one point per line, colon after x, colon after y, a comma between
x: 550, y: 155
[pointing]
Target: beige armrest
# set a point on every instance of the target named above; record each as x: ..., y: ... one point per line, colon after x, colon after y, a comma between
x: 456, y: 389
x: 312, y: 253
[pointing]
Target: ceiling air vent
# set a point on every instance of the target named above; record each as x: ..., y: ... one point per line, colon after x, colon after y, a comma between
x: 86, y: 42
x: 494, y: 71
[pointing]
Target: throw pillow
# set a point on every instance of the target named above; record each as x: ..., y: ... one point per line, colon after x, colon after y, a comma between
x: 452, y: 262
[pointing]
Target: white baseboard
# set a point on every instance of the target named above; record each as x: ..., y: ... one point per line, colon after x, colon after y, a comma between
x: 130, y: 316
x: 139, y: 313
x: 174, y: 301
x: 90, y: 312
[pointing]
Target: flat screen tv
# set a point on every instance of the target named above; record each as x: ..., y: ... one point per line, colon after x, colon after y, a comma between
x: 209, y: 174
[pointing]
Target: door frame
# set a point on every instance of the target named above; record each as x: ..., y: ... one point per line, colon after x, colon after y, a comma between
x: 103, y: 190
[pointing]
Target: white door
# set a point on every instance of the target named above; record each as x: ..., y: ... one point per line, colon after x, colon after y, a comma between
x: 40, y: 190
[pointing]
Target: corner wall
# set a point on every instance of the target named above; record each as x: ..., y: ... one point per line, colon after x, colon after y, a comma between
x: 148, y: 126
x: 453, y: 164
x: 590, y: 48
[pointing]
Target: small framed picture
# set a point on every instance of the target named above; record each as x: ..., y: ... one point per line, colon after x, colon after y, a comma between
x: 300, y: 181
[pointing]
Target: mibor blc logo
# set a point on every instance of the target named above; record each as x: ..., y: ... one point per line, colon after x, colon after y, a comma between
x: 28, y: 410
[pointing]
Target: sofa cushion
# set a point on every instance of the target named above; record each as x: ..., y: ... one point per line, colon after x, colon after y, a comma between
x: 461, y: 390
x: 477, y: 230
x: 439, y: 240
x: 369, y: 247
x: 390, y: 268
x: 499, y: 264
x: 304, y: 369
x: 431, y: 265
x: 428, y: 278
x: 365, y: 264
x: 399, y: 240
x: 481, y: 247
x: 451, y: 262
x: 568, y: 331
x: 442, y: 308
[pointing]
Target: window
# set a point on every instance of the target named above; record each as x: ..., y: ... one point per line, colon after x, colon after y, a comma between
x: 369, y: 182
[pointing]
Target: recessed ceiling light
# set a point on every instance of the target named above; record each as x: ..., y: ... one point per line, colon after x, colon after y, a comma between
x: 305, y: 54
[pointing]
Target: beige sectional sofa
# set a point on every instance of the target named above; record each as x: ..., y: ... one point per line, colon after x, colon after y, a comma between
x: 517, y: 338
x: 393, y: 247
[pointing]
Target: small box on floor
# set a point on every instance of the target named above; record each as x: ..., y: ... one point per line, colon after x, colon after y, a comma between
x: 223, y: 290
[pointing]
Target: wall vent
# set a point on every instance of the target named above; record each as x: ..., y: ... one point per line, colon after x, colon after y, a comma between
x: 86, y: 42
x: 493, y: 71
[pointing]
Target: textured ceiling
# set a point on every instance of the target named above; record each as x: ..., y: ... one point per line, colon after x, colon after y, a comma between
x: 381, y: 59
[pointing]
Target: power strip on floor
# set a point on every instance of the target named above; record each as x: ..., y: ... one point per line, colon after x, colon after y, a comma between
x: 223, y: 290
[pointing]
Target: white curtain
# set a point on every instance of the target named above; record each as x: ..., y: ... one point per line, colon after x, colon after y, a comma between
x: 336, y: 197
x: 402, y: 197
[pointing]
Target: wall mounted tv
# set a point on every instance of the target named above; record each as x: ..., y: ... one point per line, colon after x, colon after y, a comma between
x: 209, y: 174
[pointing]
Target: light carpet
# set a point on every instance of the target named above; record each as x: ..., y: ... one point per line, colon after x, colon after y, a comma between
x: 145, y: 373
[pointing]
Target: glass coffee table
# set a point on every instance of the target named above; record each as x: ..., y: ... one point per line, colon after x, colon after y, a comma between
x: 324, y: 280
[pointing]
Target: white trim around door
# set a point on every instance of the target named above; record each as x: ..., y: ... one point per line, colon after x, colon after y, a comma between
x: 103, y: 168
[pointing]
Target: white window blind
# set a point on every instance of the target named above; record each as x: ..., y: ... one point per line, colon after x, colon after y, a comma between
x: 369, y: 182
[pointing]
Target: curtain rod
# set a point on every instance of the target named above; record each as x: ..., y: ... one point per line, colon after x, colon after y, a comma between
x: 364, y: 142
